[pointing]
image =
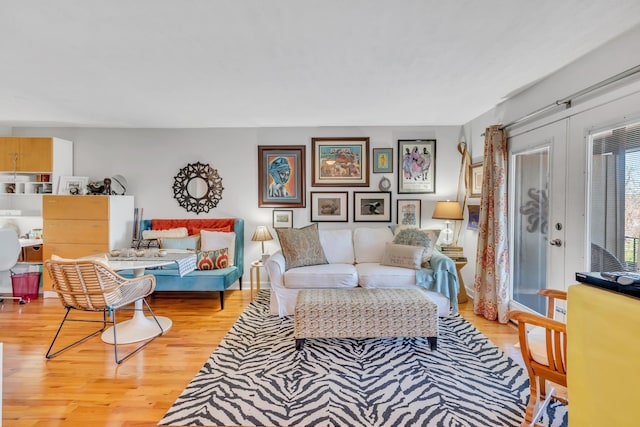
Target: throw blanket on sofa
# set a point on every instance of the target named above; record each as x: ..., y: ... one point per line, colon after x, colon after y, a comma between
x: 441, y: 277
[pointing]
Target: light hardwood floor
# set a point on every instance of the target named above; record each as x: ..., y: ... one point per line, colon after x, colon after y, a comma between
x: 85, y: 387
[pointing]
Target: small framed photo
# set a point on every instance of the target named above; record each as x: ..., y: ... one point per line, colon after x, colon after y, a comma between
x: 329, y: 207
x: 75, y: 185
x: 281, y: 178
x: 416, y: 166
x: 340, y: 162
x: 282, y: 218
x: 372, y: 206
x: 409, y: 212
x: 383, y: 160
x: 475, y: 179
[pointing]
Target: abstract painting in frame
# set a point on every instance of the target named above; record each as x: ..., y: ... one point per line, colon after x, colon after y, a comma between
x: 281, y: 177
x: 409, y: 212
x: 329, y: 207
x: 416, y: 166
x: 340, y: 162
x: 372, y: 206
x: 383, y: 160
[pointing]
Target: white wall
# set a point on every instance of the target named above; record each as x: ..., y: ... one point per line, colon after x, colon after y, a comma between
x: 150, y: 158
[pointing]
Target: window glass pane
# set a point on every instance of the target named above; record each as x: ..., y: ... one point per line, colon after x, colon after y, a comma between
x: 615, y: 199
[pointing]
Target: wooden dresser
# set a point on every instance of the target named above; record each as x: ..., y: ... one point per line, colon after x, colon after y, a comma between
x: 77, y: 226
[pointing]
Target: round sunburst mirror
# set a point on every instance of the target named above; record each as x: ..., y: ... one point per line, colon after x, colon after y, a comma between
x: 197, y: 187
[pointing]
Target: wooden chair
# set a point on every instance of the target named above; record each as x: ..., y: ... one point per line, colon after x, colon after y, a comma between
x: 91, y: 286
x: 543, y: 343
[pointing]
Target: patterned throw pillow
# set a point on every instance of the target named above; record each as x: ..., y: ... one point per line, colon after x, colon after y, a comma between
x: 417, y: 237
x: 301, y: 246
x: 403, y: 256
x: 213, y: 260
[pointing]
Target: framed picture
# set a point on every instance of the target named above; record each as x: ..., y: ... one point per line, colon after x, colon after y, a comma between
x: 416, y: 166
x: 372, y: 206
x: 475, y: 179
x: 409, y: 212
x: 281, y: 178
x: 383, y: 160
x: 474, y: 217
x: 340, y: 162
x: 329, y: 207
x: 73, y: 184
x: 282, y: 218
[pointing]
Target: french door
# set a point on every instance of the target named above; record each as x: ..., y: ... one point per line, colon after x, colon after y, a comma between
x: 537, y: 175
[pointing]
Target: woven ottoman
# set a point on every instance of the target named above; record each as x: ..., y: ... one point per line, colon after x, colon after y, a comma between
x: 364, y: 313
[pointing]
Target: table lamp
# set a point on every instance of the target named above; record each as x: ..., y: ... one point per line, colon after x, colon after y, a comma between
x: 449, y: 211
x: 260, y: 235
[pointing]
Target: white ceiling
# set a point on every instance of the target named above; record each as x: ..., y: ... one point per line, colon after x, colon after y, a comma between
x: 264, y: 63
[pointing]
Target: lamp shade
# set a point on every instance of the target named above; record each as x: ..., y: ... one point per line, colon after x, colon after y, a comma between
x: 447, y: 210
x: 261, y: 234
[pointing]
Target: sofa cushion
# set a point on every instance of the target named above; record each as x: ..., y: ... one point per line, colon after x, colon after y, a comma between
x: 337, y: 246
x: 321, y: 276
x: 214, y: 240
x: 171, y: 232
x: 301, y: 246
x: 191, y: 242
x: 369, y: 243
x: 403, y: 256
x: 417, y: 237
x: 375, y: 275
x: 213, y: 260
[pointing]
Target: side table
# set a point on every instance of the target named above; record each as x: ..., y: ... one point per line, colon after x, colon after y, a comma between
x: 462, y: 295
x: 255, y: 270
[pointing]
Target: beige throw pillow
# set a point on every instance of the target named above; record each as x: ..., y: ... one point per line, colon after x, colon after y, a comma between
x: 301, y: 246
x: 403, y: 256
x: 417, y: 237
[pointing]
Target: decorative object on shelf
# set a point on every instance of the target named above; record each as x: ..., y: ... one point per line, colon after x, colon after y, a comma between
x: 282, y: 218
x: 197, y: 187
x: 281, y: 177
x: 409, y: 212
x: 475, y: 173
x: 261, y: 235
x: 329, y: 207
x: 383, y: 160
x: 95, y: 188
x: 340, y: 162
x: 75, y: 185
x: 371, y: 206
x: 384, y: 184
x: 118, y: 185
x: 416, y: 166
x: 449, y: 211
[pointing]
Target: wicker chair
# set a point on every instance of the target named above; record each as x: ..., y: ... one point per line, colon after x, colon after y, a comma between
x: 91, y: 286
x: 543, y: 343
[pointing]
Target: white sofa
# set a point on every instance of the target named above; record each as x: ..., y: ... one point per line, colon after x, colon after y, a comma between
x: 354, y: 259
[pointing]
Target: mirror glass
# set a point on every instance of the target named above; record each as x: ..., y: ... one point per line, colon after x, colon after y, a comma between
x: 197, y: 187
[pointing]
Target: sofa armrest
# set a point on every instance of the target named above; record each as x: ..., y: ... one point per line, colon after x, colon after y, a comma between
x: 275, y: 267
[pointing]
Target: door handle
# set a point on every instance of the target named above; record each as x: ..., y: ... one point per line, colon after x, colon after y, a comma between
x: 556, y: 242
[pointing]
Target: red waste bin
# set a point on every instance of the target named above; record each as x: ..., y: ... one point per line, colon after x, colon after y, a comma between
x: 26, y: 285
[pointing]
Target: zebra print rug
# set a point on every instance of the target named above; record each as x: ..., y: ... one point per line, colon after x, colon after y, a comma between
x: 257, y: 378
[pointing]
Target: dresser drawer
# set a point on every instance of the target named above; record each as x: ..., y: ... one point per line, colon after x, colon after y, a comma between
x: 75, y: 231
x: 75, y: 207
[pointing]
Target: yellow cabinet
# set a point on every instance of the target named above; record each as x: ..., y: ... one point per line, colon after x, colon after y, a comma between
x: 26, y: 154
x: 78, y: 226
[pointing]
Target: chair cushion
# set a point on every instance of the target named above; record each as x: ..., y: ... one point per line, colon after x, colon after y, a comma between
x: 321, y: 276
x: 536, y: 337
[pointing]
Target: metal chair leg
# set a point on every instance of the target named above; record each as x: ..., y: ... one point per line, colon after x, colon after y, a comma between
x: 140, y: 347
x: 104, y: 322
